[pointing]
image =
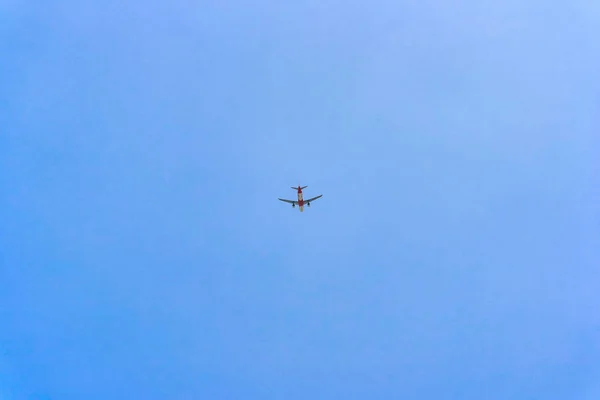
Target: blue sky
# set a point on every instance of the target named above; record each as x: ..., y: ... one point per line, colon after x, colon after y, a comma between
x: 455, y: 251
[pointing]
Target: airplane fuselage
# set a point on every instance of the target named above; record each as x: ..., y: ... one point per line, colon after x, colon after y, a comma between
x: 300, y: 199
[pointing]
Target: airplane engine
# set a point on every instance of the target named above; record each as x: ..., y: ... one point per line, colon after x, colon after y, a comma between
x: 293, y: 205
x: 308, y: 204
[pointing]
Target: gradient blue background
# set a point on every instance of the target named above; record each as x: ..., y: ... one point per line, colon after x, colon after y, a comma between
x: 454, y: 254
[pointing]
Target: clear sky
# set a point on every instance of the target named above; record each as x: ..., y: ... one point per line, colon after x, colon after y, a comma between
x: 454, y: 253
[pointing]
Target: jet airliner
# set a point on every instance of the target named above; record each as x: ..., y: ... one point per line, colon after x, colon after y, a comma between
x: 300, y: 200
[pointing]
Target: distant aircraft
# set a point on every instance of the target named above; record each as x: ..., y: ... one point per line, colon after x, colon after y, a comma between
x: 300, y: 201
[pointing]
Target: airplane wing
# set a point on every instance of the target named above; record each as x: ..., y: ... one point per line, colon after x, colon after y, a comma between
x: 289, y: 201
x: 314, y: 198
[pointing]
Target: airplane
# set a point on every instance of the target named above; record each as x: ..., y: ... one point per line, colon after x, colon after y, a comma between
x: 300, y: 201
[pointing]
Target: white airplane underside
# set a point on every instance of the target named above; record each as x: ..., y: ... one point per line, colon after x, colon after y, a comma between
x: 300, y: 202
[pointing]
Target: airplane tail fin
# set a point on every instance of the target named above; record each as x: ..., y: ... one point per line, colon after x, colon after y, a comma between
x: 296, y: 188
